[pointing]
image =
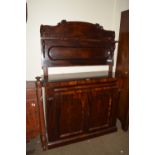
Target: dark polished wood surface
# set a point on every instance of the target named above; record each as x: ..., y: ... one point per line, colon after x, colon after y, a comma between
x: 78, y: 106
x: 66, y: 29
x: 32, y: 119
x: 122, y: 70
x: 80, y: 109
x: 76, y: 44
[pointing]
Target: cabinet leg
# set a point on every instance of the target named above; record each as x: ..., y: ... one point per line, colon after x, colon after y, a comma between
x: 44, y: 144
x: 125, y: 124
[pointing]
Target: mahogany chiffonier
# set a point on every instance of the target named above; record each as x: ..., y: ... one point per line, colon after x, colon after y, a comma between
x: 77, y: 106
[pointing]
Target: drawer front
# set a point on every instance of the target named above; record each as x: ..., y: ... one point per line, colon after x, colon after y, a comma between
x: 84, y: 84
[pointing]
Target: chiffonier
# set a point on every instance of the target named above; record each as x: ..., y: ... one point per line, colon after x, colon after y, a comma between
x: 77, y: 106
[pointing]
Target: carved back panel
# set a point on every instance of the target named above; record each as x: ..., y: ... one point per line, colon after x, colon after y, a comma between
x: 76, y: 44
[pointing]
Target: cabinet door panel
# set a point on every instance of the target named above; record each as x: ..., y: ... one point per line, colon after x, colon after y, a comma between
x: 65, y: 115
x: 71, y: 115
x: 100, y: 102
x: 79, y: 112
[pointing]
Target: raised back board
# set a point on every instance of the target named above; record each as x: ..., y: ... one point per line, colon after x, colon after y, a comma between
x: 76, y: 44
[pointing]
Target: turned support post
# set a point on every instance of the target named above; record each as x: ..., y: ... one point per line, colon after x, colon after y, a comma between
x: 41, y: 113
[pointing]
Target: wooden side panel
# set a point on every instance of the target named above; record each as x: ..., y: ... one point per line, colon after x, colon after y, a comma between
x: 123, y: 46
x: 123, y: 106
x: 122, y: 70
x: 32, y: 119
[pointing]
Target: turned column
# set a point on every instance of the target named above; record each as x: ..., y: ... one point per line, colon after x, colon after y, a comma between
x: 41, y: 113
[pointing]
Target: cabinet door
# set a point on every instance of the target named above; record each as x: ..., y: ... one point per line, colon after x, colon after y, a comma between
x: 77, y: 112
x: 102, y: 109
x: 65, y: 115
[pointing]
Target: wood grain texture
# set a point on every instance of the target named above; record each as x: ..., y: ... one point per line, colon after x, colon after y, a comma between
x: 122, y: 70
x: 32, y: 120
x: 75, y: 29
x: 80, y: 110
x: 77, y: 109
x: 76, y: 44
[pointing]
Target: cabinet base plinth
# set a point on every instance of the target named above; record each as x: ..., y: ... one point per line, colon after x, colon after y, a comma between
x: 81, y: 137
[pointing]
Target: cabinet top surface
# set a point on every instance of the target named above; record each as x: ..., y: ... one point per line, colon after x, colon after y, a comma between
x: 78, y: 76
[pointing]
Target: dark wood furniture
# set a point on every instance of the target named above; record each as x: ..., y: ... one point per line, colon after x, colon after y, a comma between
x: 32, y: 119
x: 77, y: 106
x: 122, y: 70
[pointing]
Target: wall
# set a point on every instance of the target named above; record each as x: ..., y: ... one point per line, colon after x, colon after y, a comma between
x: 50, y: 12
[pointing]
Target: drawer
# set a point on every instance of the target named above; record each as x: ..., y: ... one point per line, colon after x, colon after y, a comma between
x: 80, y: 82
x: 50, y: 91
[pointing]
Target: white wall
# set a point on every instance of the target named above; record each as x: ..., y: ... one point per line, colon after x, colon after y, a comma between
x: 50, y: 12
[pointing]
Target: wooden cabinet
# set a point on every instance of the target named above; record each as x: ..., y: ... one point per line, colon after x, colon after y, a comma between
x: 32, y: 119
x: 80, y: 109
x: 122, y: 70
x: 78, y: 106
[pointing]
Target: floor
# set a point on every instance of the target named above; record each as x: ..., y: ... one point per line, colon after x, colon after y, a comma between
x: 116, y: 143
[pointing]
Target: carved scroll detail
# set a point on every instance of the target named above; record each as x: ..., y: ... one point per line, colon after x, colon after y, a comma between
x: 99, y: 26
x: 62, y: 22
x: 49, y: 51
